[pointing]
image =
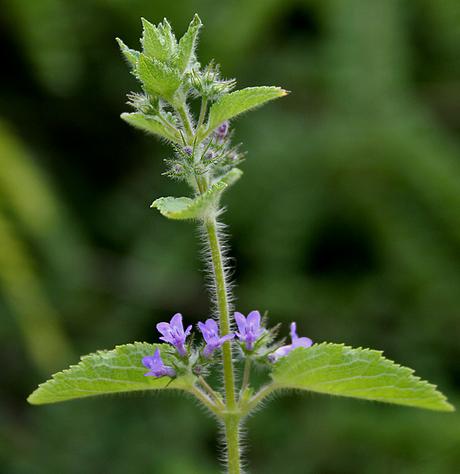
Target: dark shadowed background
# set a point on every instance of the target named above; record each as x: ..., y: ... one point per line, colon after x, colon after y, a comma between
x: 347, y: 220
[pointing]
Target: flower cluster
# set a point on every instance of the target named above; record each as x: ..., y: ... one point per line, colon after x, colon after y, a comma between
x: 254, y: 340
x: 171, y: 77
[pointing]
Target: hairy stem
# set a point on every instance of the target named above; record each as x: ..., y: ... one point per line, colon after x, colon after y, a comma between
x: 204, y: 106
x: 205, y: 400
x: 233, y: 444
x: 246, y: 374
x: 185, y: 117
x: 263, y: 393
x: 216, y: 397
x: 223, y: 309
x: 232, y: 417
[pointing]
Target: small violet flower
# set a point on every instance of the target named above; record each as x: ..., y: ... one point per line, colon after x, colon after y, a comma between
x: 222, y: 130
x: 177, y: 168
x: 188, y: 150
x: 156, y: 366
x: 210, y: 332
x: 296, y: 342
x: 249, y: 328
x: 173, y: 332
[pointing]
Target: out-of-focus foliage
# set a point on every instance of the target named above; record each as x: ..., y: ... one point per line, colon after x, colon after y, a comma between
x: 364, y: 154
x: 28, y: 210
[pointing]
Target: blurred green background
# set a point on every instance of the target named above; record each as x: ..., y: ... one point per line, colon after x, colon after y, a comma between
x: 347, y: 220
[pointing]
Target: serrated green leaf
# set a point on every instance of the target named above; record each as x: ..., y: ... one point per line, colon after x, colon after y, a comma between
x: 336, y: 369
x: 131, y: 55
x: 235, y: 103
x: 186, y: 48
x: 186, y: 208
x: 158, y: 78
x: 151, y: 124
x: 154, y: 45
x: 168, y: 36
x: 104, y: 372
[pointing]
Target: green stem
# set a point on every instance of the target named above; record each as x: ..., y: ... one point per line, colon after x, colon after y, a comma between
x: 232, y: 415
x: 205, y: 400
x: 233, y: 445
x: 263, y: 393
x: 184, y: 115
x: 204, y: 106
x: 211, y: 392
x: 223, y: 309
x: 246, y: 374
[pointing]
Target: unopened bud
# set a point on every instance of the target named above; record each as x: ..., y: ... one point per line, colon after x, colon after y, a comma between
x: 222, y: 130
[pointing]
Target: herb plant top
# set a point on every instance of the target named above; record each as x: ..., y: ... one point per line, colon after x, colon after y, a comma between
x: 204, y: 157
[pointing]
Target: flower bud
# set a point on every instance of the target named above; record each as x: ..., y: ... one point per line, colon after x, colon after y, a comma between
x: 222, y: 130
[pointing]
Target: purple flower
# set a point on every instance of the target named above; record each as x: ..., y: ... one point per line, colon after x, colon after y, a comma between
x: 156, y: 366
x: 173, y: 332
x: 296, y: 342
x: 249, y: 328
x: 188, y: 150
x: 222, y: 130
x: 210, y: 332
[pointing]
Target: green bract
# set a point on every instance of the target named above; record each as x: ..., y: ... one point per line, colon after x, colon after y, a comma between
x: 336, y: 369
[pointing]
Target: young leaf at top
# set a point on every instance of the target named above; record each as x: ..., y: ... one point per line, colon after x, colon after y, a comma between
x: 235, y: 103
x: 151, y: 124
x: 158, y: 78
x: 154, y: 44
x: 186, y: 48
x: 336, y: 369
x: 131, y: 55
x: 167, y: 34
x: 105, y: 372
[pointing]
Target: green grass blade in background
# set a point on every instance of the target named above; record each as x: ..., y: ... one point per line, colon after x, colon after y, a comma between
x: 44, y: 338
x: 337, y: 369
x: 104, y: 372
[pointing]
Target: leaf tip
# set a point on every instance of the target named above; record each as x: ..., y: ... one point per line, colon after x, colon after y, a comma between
x: 31, y: 399
x: 196, y: 20
x: 447, y: 407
